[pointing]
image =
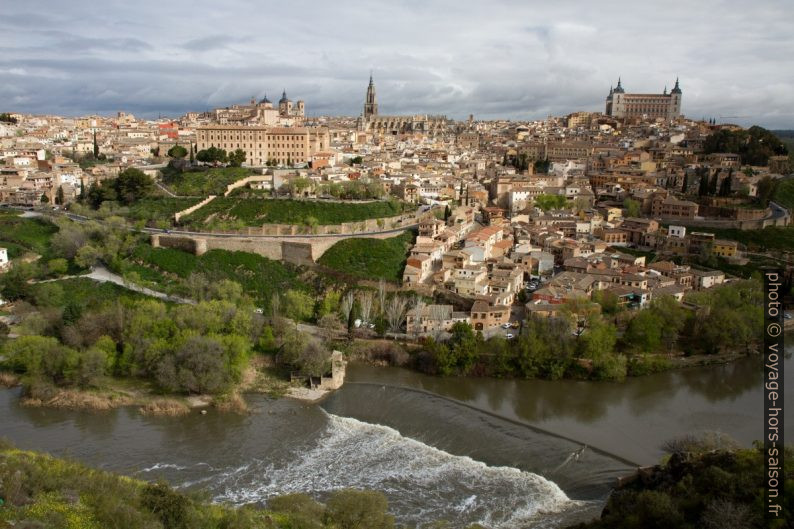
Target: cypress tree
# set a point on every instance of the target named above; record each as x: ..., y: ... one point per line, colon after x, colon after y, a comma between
x: 725, y: 187
x: 96, y: 147
x: 714, y: 183
x: 703, y: 190
x: 685, y: 184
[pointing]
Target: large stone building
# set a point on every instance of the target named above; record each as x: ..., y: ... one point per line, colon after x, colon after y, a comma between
x: 666, y: 106
x: 262, y: 112
x: 284, y: 145
x: 371, y: 121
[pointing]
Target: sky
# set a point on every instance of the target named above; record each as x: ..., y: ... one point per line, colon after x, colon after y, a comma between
x: 522, y: 59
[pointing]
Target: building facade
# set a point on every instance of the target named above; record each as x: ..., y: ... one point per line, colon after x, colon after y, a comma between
x: 284, y: 145
x: 666, y: 105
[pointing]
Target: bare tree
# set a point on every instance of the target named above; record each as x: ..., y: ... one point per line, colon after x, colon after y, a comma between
x: 437, y: 315
x: 275, y: 305
x: 365, y: 300
x: 382, y: 296
x: 395, y: 312
x: 418, y: 305
x: 346, y: 306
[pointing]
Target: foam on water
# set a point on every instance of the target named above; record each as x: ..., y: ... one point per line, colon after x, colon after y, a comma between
x: 422, y: 483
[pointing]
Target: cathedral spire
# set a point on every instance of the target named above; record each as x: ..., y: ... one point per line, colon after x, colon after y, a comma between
x: 370, y: 102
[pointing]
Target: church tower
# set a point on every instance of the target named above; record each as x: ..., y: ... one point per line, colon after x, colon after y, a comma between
x: 370, y: 104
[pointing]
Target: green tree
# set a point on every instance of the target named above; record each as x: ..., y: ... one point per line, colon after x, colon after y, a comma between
x: 177, y: 151
x: 132, y: 185
x: 673, y: 318
x: 172, y: 508
x: 303, y: 511
x: 96, y: 147
x: 48, y: 295
x: 297, y: 305
x: 766, y: 189
x: 703, y: 181
x: 644, y: 332
x: 236, y: 158
x: 87, y: 256
x: 598, y: 341
x: 44, y: 198
x: 714, y: 183
x: 755, y: 145
x: 549, y: 202
x: 212, y: 155
x: 358, y: 509
x: 631, y: 208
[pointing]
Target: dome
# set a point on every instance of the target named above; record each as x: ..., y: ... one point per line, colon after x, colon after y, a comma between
x: 284, y: 98
x: 265, y: 100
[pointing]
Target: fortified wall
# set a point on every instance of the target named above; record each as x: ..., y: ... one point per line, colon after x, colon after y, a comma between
x: 298, y: 251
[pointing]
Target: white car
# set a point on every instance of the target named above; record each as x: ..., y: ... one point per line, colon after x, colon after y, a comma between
x: 509, y: 336
x: 505, y: 326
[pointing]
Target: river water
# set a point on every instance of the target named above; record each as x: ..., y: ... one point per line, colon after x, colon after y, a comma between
x: 504, y: 453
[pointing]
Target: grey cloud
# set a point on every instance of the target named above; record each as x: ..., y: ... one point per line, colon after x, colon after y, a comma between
x: 514, y: 59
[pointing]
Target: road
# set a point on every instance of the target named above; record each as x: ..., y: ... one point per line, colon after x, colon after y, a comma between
x: 103, y: 275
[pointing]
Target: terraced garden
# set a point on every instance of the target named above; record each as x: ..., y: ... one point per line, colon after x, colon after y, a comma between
x: 202, y: 183
x: 255, y: 212
x: 370, y: 258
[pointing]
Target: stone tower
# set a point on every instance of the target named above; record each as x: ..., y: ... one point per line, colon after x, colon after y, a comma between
x: 675, y: 101
x: 370, y: 103
x: 285, y: 105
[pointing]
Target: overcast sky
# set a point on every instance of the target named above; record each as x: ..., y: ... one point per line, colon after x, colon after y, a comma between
x: 510, y: 59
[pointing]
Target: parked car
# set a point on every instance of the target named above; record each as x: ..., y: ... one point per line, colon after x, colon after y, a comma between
x: 509, y: 336
x: 505, y: 326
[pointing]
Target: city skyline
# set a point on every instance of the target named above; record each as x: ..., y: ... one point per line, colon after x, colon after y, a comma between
x: 509, y: 60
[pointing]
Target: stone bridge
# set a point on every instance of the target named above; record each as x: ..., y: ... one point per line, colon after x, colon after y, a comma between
x: 295, y: 249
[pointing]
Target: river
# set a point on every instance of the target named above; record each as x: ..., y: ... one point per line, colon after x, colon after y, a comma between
x: 504, y: 453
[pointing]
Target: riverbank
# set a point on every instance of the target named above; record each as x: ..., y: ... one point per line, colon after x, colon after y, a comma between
x: 114, y: 393
x: 410, y: 355
x: 42, y: 491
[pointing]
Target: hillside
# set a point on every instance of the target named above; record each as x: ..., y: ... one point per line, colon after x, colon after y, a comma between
x: 370, y: 258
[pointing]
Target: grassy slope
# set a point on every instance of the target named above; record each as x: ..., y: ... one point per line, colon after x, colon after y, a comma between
x: 260, y: 277
x: 770, y: 238
x: 203, y: 183
x: 33, y: 234
x: 90, y: 294
x: 370, y: 258
x: 714, y: 489
x: 48, y: 492
x: 784, y: 194
x: 157, y: 208
x: 255, y: 212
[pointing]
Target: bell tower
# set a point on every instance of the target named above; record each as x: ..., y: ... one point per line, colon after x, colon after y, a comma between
x: 370, y: 103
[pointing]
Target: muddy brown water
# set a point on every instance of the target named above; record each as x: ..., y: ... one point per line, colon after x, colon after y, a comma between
x: 504, y: 453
